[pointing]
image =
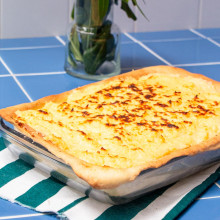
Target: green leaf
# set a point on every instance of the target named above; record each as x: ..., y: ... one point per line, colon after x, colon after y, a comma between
x: 75, y: 45
x: 126, y: 8
x: 103, y: 8
x: 71, y: 61
x: 94, y: 57
x: 72, y: 13
x: 101, y: 50
x: 136, y: 4
x: 109, y: 40
x: 70, y: 58
x: 111, y: 48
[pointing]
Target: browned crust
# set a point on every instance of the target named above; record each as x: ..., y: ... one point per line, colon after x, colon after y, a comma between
x: 106, y: 177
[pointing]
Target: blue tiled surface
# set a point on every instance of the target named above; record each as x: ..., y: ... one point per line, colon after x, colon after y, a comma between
x: 211, y: 71
x: 37, y: 64
x: 7, y: 207
x: 125, y: 39
x: 10, y: 93
x: 165, y: 35
x: 203, y: 209
x: 210, y: 32
x: 133, y: 56
x: 189, y: 51
x: 35, y: 60
x: 64, y: 38
x: 213, y: 191
x: 13, y: 210
x: 29, y: 42
x: 217, y: 40
x: 40, y: 86
x: 3, y: 71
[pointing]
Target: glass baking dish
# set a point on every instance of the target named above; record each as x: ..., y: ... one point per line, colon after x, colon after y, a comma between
x: 148, y: 180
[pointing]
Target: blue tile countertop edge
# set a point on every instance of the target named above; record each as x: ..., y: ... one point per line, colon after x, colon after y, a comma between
x: 32, y: 68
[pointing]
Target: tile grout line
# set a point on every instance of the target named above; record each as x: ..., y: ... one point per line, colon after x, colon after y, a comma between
x: 170, y: 40
x: 198, y: 64
x: 63, y: 43
x: 16, y: 80
x: 147, y: 48
x: 22, y: 216
x: 204, y: 37
x: 200, y: 5
x: 211, y: 197
x: 123, y: 68
x: 60, y: 40
x: 5, y: 75
x: 40, y: 74
x: 33, y: 74
x: 218, y: 185
x: 29, y: 48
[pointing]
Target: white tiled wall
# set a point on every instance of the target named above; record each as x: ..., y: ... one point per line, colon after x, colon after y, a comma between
x: 27, y: 18
x: 210, y: 13
x: 168, y: 15
x: 33, y: 18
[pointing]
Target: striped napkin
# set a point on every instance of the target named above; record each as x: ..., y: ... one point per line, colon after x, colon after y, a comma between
x: 24, y: 184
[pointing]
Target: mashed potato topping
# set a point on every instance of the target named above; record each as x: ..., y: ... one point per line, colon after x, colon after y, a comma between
x: 130, y: 122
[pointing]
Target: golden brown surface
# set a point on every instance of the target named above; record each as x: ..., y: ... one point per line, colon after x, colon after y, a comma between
x: 111, y: 130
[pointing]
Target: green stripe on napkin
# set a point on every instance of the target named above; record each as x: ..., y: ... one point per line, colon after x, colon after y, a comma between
x: 2, y: 145
x: 13, y: 170
x: 71, y: 205
x: 129, y: 210
x: 190, y: 197
x: 40, y: 192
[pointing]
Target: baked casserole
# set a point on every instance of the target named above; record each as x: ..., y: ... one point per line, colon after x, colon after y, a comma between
x: 110, y: 131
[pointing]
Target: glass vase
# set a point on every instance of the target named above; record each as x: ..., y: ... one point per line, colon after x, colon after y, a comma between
x: 93, y: 46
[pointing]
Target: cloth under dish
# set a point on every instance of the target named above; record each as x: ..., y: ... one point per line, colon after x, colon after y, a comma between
x: 28, y: 186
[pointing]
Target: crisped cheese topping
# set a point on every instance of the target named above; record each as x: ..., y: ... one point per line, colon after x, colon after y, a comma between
x: 128, y: 123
